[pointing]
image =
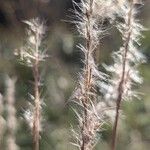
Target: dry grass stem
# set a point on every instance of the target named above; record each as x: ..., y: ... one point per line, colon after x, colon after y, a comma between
x: 2, y: 121
x: 32, y: 55
x: 125, y: 74
x: 11, y: 114
x: 89, y: 16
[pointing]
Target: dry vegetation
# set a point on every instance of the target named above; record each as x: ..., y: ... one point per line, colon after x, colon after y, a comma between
x: 100, y: 91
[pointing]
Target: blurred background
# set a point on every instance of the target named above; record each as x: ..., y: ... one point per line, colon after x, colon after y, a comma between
x: 60, y: 74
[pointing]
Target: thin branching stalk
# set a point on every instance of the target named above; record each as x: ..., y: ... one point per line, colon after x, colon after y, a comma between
x: 89, y: 16
x: 87, y: 75
x: 32, y: 55
x: 86, y: 84
x: 37, y: 104
x: 11, y: 114
x: 127, y: 60
x: 121, y: 83
x: 2, y: 121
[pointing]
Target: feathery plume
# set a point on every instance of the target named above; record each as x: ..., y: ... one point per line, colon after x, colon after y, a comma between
x: 32, y: 55
x: 125, y: 74
x: 11, y: 114
x: 2, y: 121
x: 90, y: 15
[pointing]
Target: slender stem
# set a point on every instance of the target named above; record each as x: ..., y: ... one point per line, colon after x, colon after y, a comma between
x: 121, y: 83
x: 1, y: 120
x: 37, y: 113
x: 11, y: 115
x: 87, y: 75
